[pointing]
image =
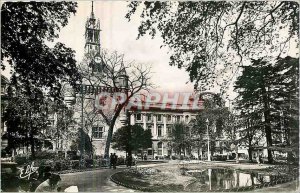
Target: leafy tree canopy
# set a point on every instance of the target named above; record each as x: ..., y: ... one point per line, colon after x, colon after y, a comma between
x: 210, y: 38
x: 131, y: 138
x: 25, y: 113
x: 271, y: 89
x: 25, y: 28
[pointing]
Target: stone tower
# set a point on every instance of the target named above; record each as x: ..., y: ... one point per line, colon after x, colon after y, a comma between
x: 92, y: 34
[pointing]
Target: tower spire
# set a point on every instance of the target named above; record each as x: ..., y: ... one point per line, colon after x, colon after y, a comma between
x: 92, y: 13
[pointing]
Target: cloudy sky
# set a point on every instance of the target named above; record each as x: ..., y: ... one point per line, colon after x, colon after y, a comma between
x: 120, y: 35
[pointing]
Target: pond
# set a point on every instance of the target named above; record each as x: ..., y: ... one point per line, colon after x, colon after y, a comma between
x: 225, y: 179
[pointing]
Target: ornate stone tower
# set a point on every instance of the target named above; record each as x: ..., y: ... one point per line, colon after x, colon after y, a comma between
x: 92, y: 34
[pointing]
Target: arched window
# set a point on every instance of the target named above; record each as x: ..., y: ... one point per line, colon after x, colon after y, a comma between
x: 169, y: 118
x: 186, y: 118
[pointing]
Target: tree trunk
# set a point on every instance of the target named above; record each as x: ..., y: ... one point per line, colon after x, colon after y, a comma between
x: 111, y: 130
x: 268, y: 138
x: 31, y: 138
x: 250, y: 148
x: 237, y: 154
x: 250, y: 153
x: 108, y: 140
x: 129, y: 152
x: 268, y: 130
x: 32, y: 145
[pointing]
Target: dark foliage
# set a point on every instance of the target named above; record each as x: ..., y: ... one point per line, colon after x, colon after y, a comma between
x: 25, y: 28
x: 131, y: 138
x: 206, y: 35
x: 269, y: 91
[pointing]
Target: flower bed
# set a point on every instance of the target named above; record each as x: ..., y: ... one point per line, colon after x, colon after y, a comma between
x: 135, y: 180
x: 174, y: 178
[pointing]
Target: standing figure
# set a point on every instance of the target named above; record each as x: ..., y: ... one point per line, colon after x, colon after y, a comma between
x: 261, y: 158
x: 111, y: 160
x: 115, y: 158
x: 258, y: 159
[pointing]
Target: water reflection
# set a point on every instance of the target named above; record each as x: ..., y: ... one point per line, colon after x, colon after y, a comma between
x: 218, y: 179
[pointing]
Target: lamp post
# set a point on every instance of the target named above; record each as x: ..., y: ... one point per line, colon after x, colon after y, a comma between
x: 208, y: 150
x: 82, y: 124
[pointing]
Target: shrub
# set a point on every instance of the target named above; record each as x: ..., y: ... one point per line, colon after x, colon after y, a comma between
x: 82, y: 164
x: 21, y: 159
x: 120, y: 161
x: 89, y: 163
x: 104, y: 162
x: 57, y: 166
x: 65, y: 164
x: 44, y: 155
x: 72, y: 155
x: 167, y: 157
x: 74, y: 164
x: 220, y: 158
x: 61, y: 165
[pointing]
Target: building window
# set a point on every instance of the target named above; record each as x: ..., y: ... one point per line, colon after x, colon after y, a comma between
x: 178, y: 118
x: 149, y: 152
x: 138, y: 117
x: 97, y: 132
x: 169, y: 129
x: 159, y: 130
x: 159, y: 118
x: 159, y: 148
x: 169, y: 118
x: 149, y: 118
x: 186, y: 118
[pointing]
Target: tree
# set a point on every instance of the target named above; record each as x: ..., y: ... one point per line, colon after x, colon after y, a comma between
x: 215, y: 112
x: 287, y: 115
x: 211, y: 38
x: 25, y: 28
x: 198, y: 131
x: 132, y: 138
x: 25, y: 115
x: 179, y: 137
x: 114, y: 73
x: 268, y: 89
x: 147, y: 136
x: 250, y: 127
x: 231, y: 131
x: 84, y: 143
x: 63, y: 128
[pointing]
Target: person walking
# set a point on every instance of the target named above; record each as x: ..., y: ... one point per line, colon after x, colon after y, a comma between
x: 115, y: 158
x: 258, y: 159
x: 261, y: 158
x: 111, y: 160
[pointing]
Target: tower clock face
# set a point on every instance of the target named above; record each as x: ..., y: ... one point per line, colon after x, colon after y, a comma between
x: 97, y: 59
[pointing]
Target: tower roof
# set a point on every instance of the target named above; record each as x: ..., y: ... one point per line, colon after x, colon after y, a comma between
x: 92, y: 12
